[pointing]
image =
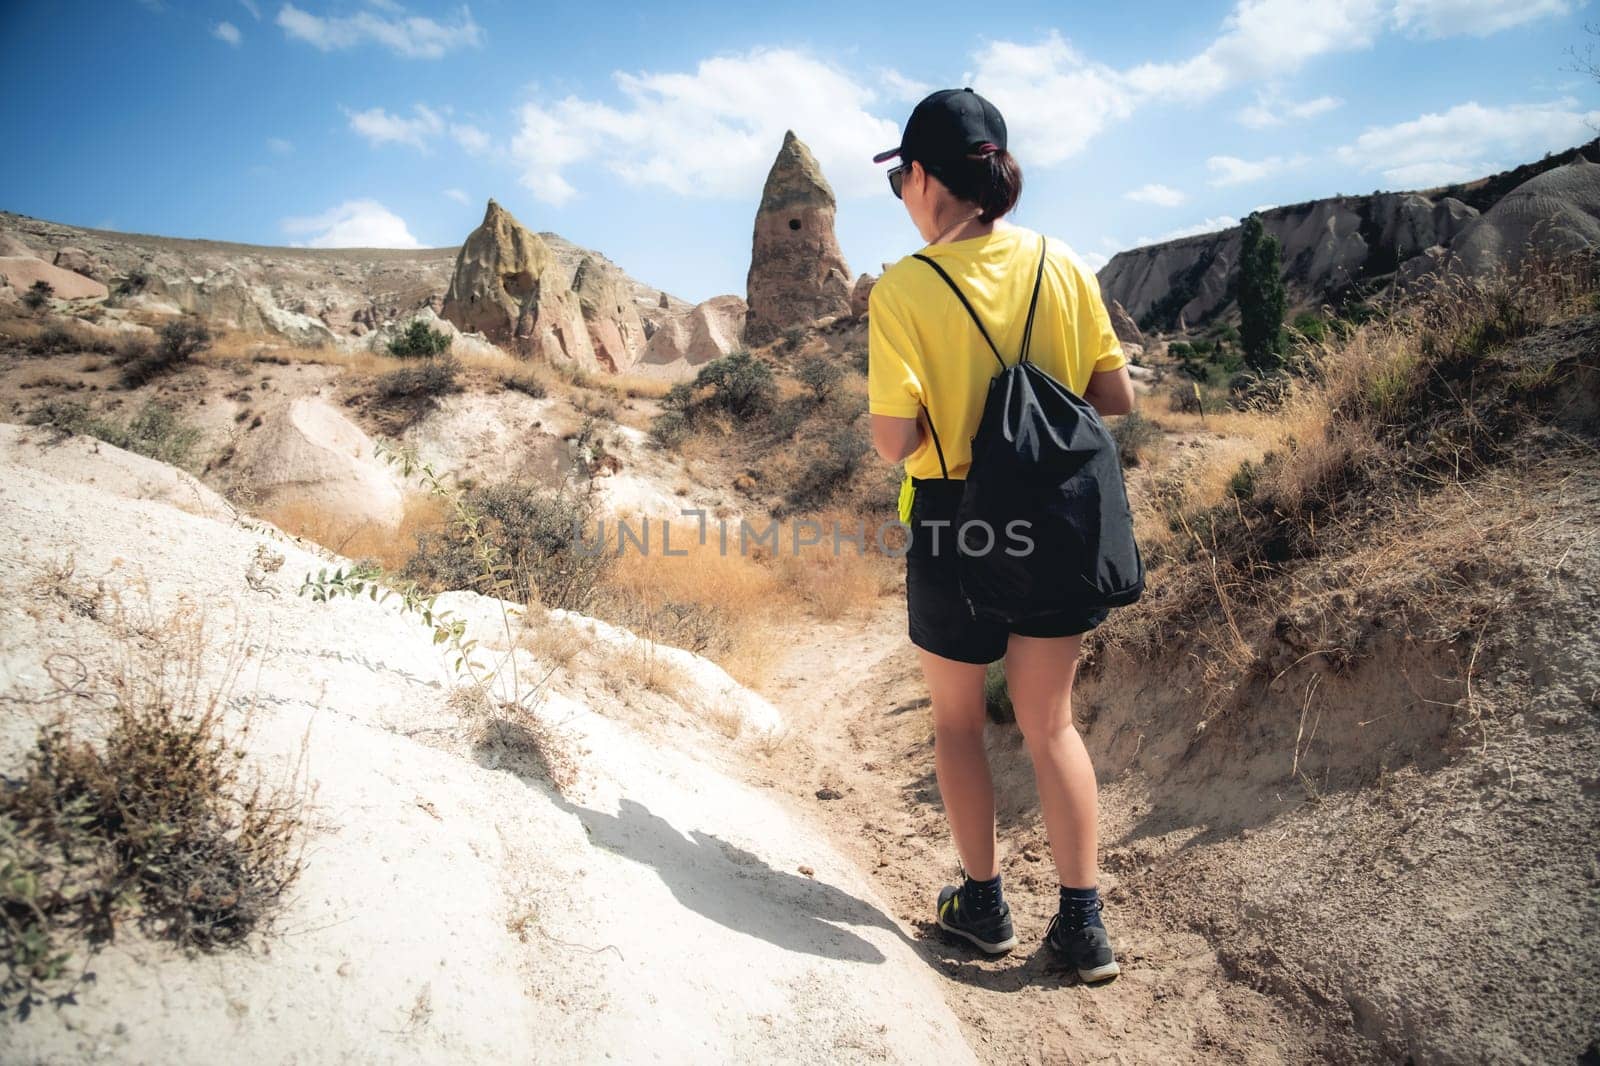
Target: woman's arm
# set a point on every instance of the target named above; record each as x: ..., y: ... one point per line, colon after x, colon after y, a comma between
x: 896, y: 438
x: 1110, y: 391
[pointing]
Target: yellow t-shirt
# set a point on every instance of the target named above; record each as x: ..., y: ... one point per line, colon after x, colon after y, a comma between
x: 922, y: 346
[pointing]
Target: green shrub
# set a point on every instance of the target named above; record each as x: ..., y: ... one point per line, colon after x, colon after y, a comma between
x: 155, y: 430
x: 419, y: 339
x: 740, y: 384
x: 527, y: 383
x: 820, y: 375
x: 794, y: 337
x: 1311, y: 326
x: 534, y: 536
x: 669, y: 429
x: 178, y: 342
x: 38, y: 294
x: 1181, y: 350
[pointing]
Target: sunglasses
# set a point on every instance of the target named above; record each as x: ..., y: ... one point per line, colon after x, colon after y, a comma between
x: 897, y: 177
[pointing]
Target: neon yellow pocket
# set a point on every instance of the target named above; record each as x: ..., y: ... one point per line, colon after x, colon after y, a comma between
x: 907, y: 490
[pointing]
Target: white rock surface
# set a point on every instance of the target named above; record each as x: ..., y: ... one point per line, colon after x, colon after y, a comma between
x: 454, y: 908
x: 308, y: 452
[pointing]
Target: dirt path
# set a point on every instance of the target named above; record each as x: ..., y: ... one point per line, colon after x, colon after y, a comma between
x: 860, y: 759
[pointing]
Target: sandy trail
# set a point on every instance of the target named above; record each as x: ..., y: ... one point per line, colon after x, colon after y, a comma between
x: 860, y: 761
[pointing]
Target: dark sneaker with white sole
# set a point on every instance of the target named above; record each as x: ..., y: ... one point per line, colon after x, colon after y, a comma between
x: 990, y: 930
x: 1085, y: 947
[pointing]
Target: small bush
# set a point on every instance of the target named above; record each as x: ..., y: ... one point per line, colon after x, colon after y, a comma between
x: 1135, y: 435
x: 50, y: 340
x: 794, y: 337
x: 857, y: 354
x: 534, y: 536
x: 829, y: 470
x: 155, y: 823
x: 427, y: 381
x: 669, y: 429
x: 178, y: 342
x: 820, y: 375
x: 419, y: 339
x: 740, y: 384
x: 526, y: 382
x: 38, y: 294
x: 156, y: 430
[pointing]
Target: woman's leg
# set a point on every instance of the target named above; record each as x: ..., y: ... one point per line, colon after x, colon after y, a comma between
x: 960, y: 761
x: 1039, y: 673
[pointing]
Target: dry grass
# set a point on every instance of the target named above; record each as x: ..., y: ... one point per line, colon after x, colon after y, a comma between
x: 1348, y: 501
x: 357, y: 538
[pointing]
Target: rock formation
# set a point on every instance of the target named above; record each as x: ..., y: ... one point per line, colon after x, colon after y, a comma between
x: 1556, y: 212
x: 797, y: 272
x: 1126, y: 329
x: 616, y: 331
x: 1332, y: 245
x: 309, y: 453
x: 509, y: 287
x: 681, y: 345
x: 860, y: 294
x: 81, y: 262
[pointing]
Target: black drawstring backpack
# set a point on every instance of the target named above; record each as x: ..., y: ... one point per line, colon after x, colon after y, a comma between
x: 1042, y: 457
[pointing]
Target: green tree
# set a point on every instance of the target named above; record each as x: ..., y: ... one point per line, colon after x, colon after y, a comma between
x: 1262, y: 300
x: 419, y: 339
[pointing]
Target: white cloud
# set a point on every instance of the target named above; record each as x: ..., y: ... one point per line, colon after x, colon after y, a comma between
x: 380, y: 127
x: 899, y: 87
x: 470, y: 137
x: 1231, y: 170
x: 1270, y: 110
x: 1210, y: 225
x: 413, y: 36
x: 252, y: 7
x: 710, y: 132
x: 1264, y: 38
x: 353, y: 224
x: 1054, y: 98
x: 1094, y: 260
x: 458, y: 195
x: 279, y: 146
x: 227, y: 31
x: 1160, y: 195
x: 1480, y: 18
x: 1469, y: 140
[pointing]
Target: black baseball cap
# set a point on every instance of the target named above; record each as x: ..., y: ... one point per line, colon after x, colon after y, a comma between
x: 946, y: 126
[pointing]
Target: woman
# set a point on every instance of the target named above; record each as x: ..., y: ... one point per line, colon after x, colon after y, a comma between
x: 929, y: 369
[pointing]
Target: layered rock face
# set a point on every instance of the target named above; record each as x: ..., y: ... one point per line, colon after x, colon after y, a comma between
x: 861, y: 294
x: 1330, y: 245
x: 797, y: 272
x: 508, y: 286
x: 1556, y: 212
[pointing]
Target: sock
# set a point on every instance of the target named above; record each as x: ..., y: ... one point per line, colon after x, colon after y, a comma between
x: 982, y: 896
x: 1081, y: 906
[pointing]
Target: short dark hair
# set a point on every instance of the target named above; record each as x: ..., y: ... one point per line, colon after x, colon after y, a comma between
x: 992, y: 180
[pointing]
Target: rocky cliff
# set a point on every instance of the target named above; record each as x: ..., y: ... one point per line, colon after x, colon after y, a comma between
x: 797, y: 272
x: 1334, y: 246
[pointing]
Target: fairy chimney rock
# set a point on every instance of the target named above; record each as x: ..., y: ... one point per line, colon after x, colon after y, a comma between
x: 615, y: 329
x: 509, y: 286
x: 797, y: 272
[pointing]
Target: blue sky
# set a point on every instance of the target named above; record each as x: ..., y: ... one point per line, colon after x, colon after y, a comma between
x: 645, y: 131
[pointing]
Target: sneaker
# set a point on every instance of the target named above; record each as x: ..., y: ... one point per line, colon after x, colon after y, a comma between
x: 991, y: 932
x: 1087, y: 949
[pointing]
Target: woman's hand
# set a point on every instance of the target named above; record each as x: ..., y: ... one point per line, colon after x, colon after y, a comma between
x: 895, y: 438
x: 1110, y: 391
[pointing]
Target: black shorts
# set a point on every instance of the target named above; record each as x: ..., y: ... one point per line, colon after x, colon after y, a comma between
x: 937, y: 616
